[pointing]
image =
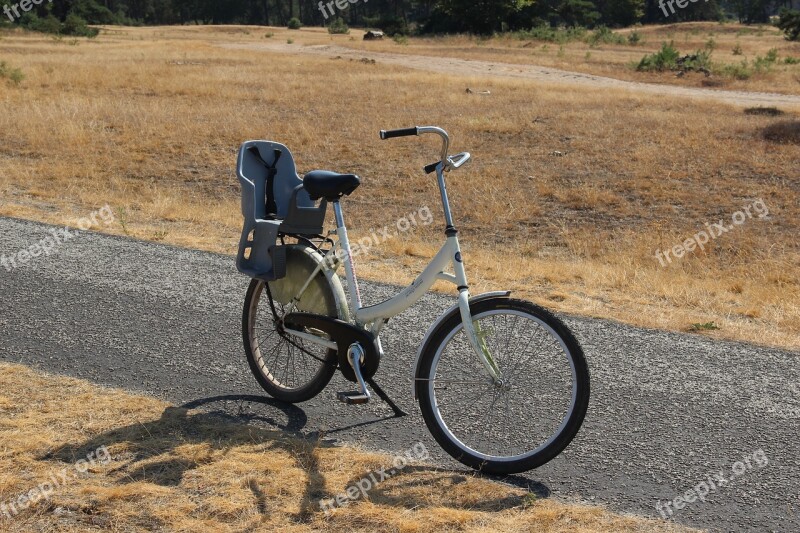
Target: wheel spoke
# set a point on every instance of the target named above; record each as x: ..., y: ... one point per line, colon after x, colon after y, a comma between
x: 289, y: 363
x: 527, y: 408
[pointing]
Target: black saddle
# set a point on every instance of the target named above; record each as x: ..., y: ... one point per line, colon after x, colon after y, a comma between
x: 329, y: 185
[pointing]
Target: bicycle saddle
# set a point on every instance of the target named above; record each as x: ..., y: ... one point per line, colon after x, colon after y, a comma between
x: 329, y: 185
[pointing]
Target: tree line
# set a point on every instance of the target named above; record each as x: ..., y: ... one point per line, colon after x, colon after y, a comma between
x: 392, y: 16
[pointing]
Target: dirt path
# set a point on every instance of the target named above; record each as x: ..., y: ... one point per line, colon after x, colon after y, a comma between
x: 466, y: 67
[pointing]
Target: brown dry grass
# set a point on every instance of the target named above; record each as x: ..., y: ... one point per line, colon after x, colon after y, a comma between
x: 619, y: 60
x: 149, y: 120
x: 175, y: 469
x: 612, y: 60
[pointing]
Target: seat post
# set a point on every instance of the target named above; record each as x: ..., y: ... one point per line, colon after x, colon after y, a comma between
x: 347, y: 257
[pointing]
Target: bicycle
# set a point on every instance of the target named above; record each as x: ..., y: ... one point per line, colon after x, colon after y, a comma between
x: 502, y: 384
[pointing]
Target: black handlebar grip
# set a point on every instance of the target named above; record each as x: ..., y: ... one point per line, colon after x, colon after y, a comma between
x: 430, y: 168
x: 399, y: 133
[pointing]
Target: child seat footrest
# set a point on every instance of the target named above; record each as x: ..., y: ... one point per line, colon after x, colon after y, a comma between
x: 259, y: 254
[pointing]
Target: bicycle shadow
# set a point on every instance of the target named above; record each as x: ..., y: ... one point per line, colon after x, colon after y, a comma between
x: 150, y: 452
x: 401, y: 489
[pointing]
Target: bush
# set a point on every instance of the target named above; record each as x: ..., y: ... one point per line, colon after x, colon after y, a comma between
x: 72, y: 25
x: 338, y: 26
x: 789, y: 22
x: 737, y: 50
x: 740, y: 71
x: 699, y: 62
x: 390, y: 26
x: 764, y: 64
x: 664, y: 59
x: 605, y: 36
x: 14, y: 75
x: 553, y: 35
x: 49, y: 24
x: 75, y: 25
x: 634, y: 38
x: 294, y: 24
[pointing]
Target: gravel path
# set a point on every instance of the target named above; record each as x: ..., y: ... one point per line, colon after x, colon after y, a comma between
x: 669, y: 411
x: 468, y: 67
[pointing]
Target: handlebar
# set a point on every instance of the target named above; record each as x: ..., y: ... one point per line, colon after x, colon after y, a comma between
x: 417, y: 130
x: 399, y: 133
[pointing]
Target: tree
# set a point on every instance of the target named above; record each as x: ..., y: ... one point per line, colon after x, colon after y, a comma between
x: 480, y: 16
x: 752, y: 11
x: 622, y: 12
x: 789, y: 22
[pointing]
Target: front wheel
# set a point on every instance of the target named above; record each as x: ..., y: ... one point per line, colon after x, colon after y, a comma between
x: 524, y: 419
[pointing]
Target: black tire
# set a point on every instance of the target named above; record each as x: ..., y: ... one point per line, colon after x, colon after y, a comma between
x: 536, y: 450
x: 271, y: 352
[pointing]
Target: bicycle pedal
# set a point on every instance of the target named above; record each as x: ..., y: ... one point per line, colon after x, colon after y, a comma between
x: 352, y: 398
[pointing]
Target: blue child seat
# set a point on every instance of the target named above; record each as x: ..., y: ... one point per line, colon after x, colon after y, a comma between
x: 288, y: 210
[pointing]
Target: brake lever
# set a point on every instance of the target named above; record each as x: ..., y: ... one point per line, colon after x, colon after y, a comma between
x: 463, y: 158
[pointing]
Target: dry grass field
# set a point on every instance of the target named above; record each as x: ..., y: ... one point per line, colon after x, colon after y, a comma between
x: 570, y: 193
x: 730, y: 44
x: 165, y: 468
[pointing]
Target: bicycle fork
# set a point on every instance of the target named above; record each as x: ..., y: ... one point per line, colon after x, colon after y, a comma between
x: 475, y: 335
x: 477, y: 338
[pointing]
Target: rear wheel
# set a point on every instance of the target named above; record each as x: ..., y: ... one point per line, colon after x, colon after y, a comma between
x: 289, y: 368
x: 530, y: 415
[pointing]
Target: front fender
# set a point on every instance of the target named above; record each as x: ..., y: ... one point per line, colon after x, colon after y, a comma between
x: 454, y: 310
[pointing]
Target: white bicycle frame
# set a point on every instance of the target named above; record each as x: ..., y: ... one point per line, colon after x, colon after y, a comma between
x: 374, y: 317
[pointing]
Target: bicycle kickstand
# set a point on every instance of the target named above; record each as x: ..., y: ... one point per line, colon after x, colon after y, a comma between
x: 354, y: 356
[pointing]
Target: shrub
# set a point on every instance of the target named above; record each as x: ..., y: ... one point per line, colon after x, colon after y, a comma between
x: 294, y: 24
x: 791, y: 60
x: 699, y: 62
x: 400, y: 39
x: 390, y: 26
x: 338, y: 26
x: 14, y: 75
x: 604, y: 35
x: 49, y: 24
x: 764, y: 64
x: 634, y: 38
x: 75, y: 25
x: 737, y: 50
x: 664, y: 59
x: 72, y: 25
x: 739, y: 71
x: 553, y: 35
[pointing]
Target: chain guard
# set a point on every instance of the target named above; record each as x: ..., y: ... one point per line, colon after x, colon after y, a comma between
x: 343, y: 334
